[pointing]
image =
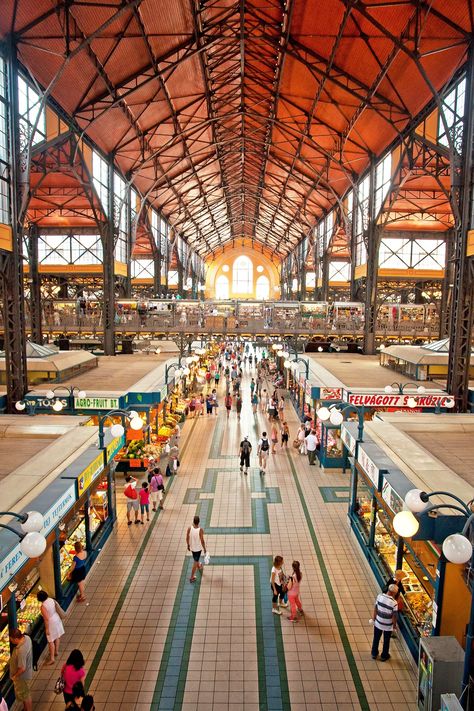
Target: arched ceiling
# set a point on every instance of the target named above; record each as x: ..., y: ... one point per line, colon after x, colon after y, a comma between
x: 241, y: 117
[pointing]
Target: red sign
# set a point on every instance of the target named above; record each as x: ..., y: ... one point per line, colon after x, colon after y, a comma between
x: 400, y: 401
x: 330, y: 394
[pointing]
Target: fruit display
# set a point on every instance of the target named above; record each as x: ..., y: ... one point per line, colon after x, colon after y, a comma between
x: 4, y: 650
x: 28, y: 616
x: 152, y: 451
x: 135, y: 449
x: 65, y: 558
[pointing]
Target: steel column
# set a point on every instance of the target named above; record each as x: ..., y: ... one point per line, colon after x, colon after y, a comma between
x: 35, y: 285
x: 108, y: 241
x: 12, y: 275
x: 372, y: 234
x: 157, y: 272
x: 460, y: 331
x: 445, y: 303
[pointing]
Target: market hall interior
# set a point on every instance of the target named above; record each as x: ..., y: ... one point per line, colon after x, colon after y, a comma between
x: 263, y: 212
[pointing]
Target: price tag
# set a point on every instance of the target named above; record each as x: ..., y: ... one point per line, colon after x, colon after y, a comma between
x: 22, y: 604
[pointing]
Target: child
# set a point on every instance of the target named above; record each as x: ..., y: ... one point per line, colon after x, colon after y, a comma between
x: 144, y: 497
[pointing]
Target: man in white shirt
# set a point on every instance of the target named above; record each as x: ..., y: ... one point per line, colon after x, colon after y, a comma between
x: 263, y: 449
x: 385, y: 621
x: 311, y: 445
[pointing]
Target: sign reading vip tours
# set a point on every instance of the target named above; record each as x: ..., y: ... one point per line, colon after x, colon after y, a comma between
x: 396, y: 400
x: 96, y: 403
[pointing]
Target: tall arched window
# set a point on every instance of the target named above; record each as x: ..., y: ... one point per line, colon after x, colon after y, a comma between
x: 222, y: 287
x: 242, y: 276
x: 262, y: 288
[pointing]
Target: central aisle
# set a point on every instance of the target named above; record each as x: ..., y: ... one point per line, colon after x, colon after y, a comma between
x: 154, y: 641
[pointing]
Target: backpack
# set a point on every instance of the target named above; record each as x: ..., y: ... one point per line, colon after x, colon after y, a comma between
x: 245, y: 447
x: 264, y: 447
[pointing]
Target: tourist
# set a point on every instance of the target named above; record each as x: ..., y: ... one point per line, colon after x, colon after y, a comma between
x: 53, y: 616
x: 281, y: 408
x: 264, y: 401
x: 293, y: 587
x: 192, y: 408
x: 78, y: 694
x: 173, y: 460
x: 254, y: 403
x: 259, y: 383
x: 215, y: 404
x: 200, y: 406
x: 157, y: 487
x: 301, y: 438
x: 77, y: 574
x: 131, y: 495
x: 72, y: 672
x: 217, y: 377
x: 311, y: 442
x: 285, y: 434
x: 245, y: 450
x: 196, y: 544
x: 276, y: 585
x: 21, y: 667
x: 252, y: 387
x: 238, y: 405
x: 385, y: 621
x: 144, y: 497
x: 274, y: 437
x: 209, y: 403
x: 263, y: 448
x: 228, y: 403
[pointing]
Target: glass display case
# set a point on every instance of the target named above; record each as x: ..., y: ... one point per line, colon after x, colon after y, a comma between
x: 28, y: 607
x: 4, y: 642
x: 331, y: 454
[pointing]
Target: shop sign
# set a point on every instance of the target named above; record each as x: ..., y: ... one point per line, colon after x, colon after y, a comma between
x: 348, y: 440
x: 399, y: 401
x: 61, y: 507
x: 44, y: 403
x: 114, y: 447
x: 368, y: 466
x: 96, y: 403
x: 90, y: 474
x: 11, y: 564
x: 330, y: 394
x: 392, y: 499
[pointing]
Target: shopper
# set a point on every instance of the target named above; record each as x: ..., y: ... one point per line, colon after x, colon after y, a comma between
x: 72, y: 672
x: 157, y: 487
x: 254, y: 403
x: 252, y: 387
x: 228, y: 403
x: 311, y: 446
x: 245, y: 450
x: 209, y: 403
x: 276, y: 585
x: 264, y: 401
x: 21, y: 667
x: 385, y: 621
x: 285, y: 435
x: 131, y: 495
x: 281, y: 408
x: 274, y: 436
x: 259, y: 384
x: 196, y: 544
x: 77, y: 574
x: 78, y: 694
x: 53, y: 616
x: 263, y: 449
x: 215, y: 404
x: 301, y: 438
x: 294, y: 591
x: 144, y: 497
x: 238, y: 405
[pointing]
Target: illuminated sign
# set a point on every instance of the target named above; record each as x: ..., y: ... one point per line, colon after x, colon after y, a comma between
x: 96, y: 403
x: 397, y: 400
x: 89, y: 474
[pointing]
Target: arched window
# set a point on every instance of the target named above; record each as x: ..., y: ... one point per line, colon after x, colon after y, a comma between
x: 242, y: 276
x: 262, y: 289
x: 222, y: 287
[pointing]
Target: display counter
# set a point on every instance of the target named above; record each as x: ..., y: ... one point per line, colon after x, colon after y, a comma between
x: 331, y: 453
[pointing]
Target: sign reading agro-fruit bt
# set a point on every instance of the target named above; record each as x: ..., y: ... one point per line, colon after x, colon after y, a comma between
x: 405, y: 400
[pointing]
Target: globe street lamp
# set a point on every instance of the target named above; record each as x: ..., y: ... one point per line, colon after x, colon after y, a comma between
x: 178, y: 371
x: 117, y: 430
x: 30, y: 405
x: 457, y: 549
x: 32, y: 541
x: 335, y: 415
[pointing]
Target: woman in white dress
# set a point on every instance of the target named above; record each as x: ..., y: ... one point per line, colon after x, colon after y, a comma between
x: 52, y: 615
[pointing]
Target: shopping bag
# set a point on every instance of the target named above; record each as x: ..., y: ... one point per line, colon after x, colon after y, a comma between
x: 207, y: 559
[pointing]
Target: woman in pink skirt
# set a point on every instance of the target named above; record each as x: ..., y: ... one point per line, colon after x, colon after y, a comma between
x: 294, y: 591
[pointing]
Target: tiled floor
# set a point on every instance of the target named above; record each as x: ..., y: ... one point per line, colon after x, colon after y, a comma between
x: 154, y: 641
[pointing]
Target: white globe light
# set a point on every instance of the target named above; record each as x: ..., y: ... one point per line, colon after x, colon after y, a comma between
x: 388, y: 389
x: 323, y: 414
x: 186, y: 371
x: 287, y: 363
x: 405, y: 524
x: 81, y: 393
x: 421, y: 389
x: 259, y: 269
x: 414, y: 502
x: 189, y: 360
x: 132, y: 414
x: 157, y: 351
x: 382, y: 347
x: 285, y: 354
x: 320, y: 350
x: 34, y: 522
x: 412, y: 402
x: 33, y: 544
x: 225, y: 268
x: 336, y: 417
x: 117, y: 430
x: 450, y: 403
x: 178, y: 372
x: 50, y: 394
x: 57, y: 406
x: 20, y: 405
x: 136, y: 423
x: 279, y: 353
x: 276, y: 347
x: 457, y: 549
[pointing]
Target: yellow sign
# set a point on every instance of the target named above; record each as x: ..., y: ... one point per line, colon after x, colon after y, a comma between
x: 90, y: 474
x: 114, y: 447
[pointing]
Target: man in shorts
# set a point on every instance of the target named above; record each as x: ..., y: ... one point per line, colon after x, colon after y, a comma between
x: 263, y: 449
x: 245, y: 449
x: 196, y: 544
x: 21, y: 667
x: 131, y: 497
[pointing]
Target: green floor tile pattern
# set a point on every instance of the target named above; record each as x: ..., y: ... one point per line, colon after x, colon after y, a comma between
x: 272, y: 678
x: 335, y: 494
x: 359, y: 687
x: 259, y: 507
x: 124, y: 592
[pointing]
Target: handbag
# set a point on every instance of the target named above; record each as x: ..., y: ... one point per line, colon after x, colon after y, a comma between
x: 59, y: 685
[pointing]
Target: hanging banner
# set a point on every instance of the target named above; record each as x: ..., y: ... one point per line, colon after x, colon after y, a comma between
x: 398, y: 401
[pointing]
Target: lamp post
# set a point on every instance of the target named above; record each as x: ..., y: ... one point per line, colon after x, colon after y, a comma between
x: 32, y: 541
x: 30, y: 405
x: 335, y: 415
x: 178, y: 371
x: 117, y: 430
x: 457, y: 548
